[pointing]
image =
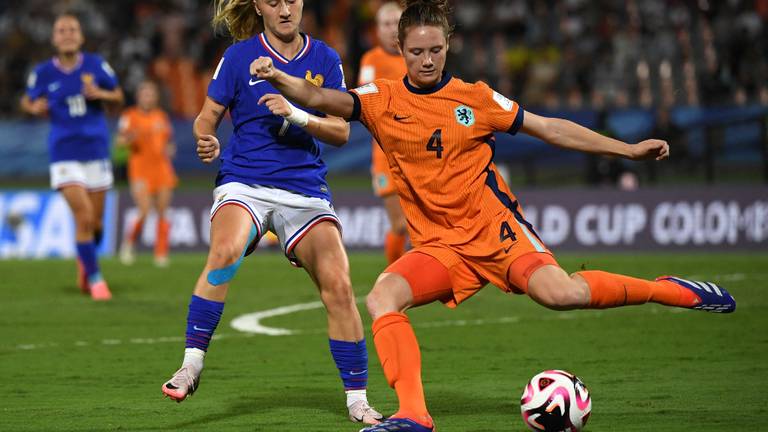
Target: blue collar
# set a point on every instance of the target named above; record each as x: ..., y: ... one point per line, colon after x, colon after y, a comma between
x: 423, y: 91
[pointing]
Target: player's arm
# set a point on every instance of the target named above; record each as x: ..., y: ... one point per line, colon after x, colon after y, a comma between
x: 569, y: 135
x: 36, y: 107
x: 332, y: 130
x: 204, y: 129
x: 114, y: 97
x: 302, y: 92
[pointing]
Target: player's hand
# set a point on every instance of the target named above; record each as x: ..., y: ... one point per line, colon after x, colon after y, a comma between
x: 277, y: 104
x: 39, y: 107
x: 650, y: 149
x: 263, y: 68
x: 208, y: 148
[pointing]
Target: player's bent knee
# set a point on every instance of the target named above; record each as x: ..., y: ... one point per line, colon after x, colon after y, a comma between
x: 224, y: 254
x: 385, y: 297
x: 223, y: 260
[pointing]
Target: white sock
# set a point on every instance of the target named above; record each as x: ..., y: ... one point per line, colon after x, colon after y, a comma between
x: 193, y: 357
x: 355, y: 395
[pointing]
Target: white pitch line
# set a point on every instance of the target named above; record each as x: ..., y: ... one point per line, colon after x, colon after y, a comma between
x: 251, y: 323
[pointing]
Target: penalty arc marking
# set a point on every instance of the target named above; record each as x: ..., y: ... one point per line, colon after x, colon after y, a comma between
x: 251, y: 323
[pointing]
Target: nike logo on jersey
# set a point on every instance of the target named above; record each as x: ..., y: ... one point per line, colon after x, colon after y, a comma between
x: 401, y: 118
x: 506, y: 249
x: 201, y: 329
x: 253, y: 83
x: 53, y: 87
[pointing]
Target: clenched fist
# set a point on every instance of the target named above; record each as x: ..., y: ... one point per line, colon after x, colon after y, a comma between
x: 208, y: 148
x: 263, y: 68
x: 650, y: 149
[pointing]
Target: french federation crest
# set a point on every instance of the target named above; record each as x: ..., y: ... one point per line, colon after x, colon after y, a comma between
x: 464, y: 115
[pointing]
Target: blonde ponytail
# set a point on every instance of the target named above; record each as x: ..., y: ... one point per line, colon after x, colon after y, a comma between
x: 239, y: 17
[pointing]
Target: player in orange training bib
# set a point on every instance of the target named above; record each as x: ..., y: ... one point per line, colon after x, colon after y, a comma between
x: 385, y: 62
x: 466, y: 226
x: 147, y: 130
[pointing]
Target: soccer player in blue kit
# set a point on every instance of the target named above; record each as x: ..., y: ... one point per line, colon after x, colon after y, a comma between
x: 272, y: 178
x: 71, y: 89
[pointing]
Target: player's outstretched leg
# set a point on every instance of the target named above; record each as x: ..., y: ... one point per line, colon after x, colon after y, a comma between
x: 322, y: 255
x: 612, y: 290
x: 553, y: 288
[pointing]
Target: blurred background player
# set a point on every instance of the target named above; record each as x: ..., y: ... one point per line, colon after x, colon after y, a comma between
x: 71, y: 89
x: 385, y: 61
x: 147, y: 131
x: 271, y: 177
x: 467, y: 227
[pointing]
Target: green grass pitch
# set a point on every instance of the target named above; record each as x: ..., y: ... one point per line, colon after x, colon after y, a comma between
x: 69, y: 364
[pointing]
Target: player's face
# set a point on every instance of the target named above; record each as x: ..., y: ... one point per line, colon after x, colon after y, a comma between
x: 425, y: 49
x: 386, y: 27
x: 146, y: 96
x: 281, y: 17
x: 67, y: 36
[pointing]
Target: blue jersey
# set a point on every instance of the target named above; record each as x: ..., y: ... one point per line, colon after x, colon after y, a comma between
x: 78, y: 126
x: 265, y: 149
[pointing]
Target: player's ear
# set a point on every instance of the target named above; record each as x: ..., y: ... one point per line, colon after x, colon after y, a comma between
x: 256, y: 7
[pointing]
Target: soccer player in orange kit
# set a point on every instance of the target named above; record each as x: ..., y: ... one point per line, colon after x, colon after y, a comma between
x: 385, y: 61
x: 147, y: 130
x: 466, y: 226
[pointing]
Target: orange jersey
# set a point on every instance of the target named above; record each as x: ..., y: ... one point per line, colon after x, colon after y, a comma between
x: 439, y: 145
x: 151, y: 132
x: 377, y: 63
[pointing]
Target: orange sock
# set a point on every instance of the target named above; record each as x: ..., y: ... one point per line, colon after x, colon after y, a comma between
x: 133, y: 235
x: 394, y: 246
x: 400, y: 358
x: 609, y: 290
x: 161, y: 241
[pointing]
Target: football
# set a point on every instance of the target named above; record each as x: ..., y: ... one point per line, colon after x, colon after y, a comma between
x: 555, y: 401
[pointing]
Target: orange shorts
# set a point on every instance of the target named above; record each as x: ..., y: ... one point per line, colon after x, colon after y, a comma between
x: 506, y: 254
x: 159, y: 175
x: 383, y: 185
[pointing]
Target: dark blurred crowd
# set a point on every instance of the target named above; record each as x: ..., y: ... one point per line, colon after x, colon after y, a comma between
x: 555, y: 54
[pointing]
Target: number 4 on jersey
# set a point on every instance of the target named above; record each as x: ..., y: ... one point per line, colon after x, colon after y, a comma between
x: 435, y: 143
x: 506, y: 232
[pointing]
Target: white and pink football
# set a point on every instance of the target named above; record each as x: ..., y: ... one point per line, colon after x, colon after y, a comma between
x: 555, y: 401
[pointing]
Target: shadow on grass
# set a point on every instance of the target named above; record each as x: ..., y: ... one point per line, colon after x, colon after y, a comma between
x: 271, y: 405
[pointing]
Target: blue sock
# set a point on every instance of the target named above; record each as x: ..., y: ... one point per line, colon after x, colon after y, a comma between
x: 87, y: 253
x: 202, y: 319
x: 352, y: 360
x: 98, y: 236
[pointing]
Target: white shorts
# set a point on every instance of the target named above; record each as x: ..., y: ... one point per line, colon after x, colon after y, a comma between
x: 287, y: 214
x: 94, y: 175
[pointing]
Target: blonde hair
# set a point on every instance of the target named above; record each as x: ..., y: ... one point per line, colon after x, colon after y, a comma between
x: 238, y: 16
